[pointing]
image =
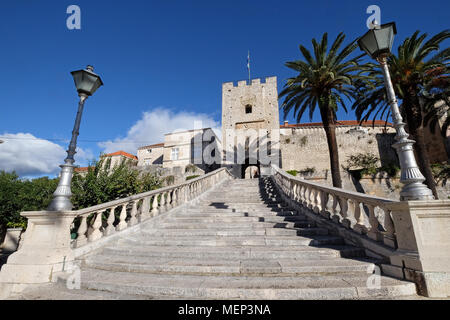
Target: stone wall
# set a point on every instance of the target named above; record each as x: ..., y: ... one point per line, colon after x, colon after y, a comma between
x: 380, y: 185
x: 303, y: 148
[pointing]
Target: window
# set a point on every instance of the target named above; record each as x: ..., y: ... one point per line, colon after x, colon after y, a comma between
x: 149, y: 150
x: 174, y: 154
x: 248, y: 109
x: 146, y: 162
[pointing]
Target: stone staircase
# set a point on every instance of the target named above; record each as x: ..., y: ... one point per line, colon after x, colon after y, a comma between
x: 237, y: 241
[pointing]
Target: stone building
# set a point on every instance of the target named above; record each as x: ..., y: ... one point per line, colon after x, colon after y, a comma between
x: 152, y: 154
x: 116, y: 158
x: 250, y: 126
x: 199, y: 147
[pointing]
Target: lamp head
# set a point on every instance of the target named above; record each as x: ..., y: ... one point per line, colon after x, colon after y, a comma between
x: 86, y: 81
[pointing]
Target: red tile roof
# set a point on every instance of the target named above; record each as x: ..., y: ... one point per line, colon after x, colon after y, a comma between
x: 157, y: 145
x: 121, y: 153
x: 82, y: 169
x: 339, y: 123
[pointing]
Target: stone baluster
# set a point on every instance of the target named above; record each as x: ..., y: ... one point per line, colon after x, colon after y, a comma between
x: 133, y: 219
x: 162, y: 202
x: 174, y: 197
x: 316, y: 201
x: 373, y: 233
x: 335, y: 214
x: 122, y: 218
x: 360, y: 218
x: 155, y: 206
x: 95, y: 232
x: 81, y: 232
x: 324, y: 196
x: 343, y: 203
x: 389, y: 234
x: 169, y: 199
x: 110, y: 229
x: 145, y: 209
x: 349, y: 219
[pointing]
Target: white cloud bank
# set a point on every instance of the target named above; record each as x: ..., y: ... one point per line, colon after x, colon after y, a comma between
x: 152, y: 126
x: 29, y: 156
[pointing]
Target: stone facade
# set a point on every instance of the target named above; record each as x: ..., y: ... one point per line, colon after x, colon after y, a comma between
x: 305, y: 146
x: 247, y: 109
x: 152, y: 154
x: 200, y: 147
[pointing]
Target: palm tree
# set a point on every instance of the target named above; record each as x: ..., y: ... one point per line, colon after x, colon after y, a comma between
x: 412, y: 71
x: 325, y: 80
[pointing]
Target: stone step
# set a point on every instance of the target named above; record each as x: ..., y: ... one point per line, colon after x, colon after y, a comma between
x: 193, y: 214
x: 253, y: 252
x: 237, y: 225
x: 183, y: 232
x: 223, y: 219
x: 250, y: 267
x: 347, y: 286
x: 232, y: 241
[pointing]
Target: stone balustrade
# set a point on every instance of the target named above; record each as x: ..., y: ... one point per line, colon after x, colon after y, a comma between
x: 52, y: 238
x: 364, y: 214
x: 412, y: 238
x: 108, y: 218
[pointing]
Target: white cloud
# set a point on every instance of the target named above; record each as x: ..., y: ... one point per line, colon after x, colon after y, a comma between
x: 29, y: 156
x: 152, y: 126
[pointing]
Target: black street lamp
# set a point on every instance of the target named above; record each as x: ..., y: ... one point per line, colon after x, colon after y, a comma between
x: 86, y: 82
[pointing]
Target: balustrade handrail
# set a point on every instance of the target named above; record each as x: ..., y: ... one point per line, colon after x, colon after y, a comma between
x: 139, y: 196
x: 338, y: 191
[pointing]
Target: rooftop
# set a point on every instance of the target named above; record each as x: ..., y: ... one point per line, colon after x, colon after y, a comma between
x: 376, y: 123
x: 156, y: 145
x: 121, y: 153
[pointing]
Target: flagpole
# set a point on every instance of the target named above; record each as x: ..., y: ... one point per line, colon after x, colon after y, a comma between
x: 248, y: 66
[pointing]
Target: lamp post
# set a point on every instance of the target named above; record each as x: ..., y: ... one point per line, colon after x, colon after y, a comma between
x: 377, y: 43
x: 86, y: 82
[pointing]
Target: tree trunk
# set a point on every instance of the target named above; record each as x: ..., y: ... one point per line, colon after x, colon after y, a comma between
x: 330, y: 131
x: 423, y: 160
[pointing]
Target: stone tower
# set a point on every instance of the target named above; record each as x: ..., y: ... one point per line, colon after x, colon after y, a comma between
x: 247, y: 109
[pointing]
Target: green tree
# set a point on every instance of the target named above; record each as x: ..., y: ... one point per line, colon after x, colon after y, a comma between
x: 418, y: 65
x: 325, y: 80
x: 22, y: 195
x: 104, y: 183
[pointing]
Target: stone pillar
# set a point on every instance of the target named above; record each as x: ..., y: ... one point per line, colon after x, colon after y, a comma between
x: 44, y: 251
x: 422, y: 231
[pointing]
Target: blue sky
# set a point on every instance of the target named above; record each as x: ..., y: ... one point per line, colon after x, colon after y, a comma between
x: 160, y: 61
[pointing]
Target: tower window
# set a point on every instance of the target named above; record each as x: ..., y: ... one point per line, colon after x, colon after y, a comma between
x: 248, y: 109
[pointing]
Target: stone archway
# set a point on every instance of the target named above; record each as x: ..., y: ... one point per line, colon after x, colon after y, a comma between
x: 250, y: 170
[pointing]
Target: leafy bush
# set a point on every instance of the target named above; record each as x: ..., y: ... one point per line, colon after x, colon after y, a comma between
x: 190, y: 168
x: 169, y: 180
x: 308, y: 170
x: 366, y: 163
x: 441, y: 172
x: 100, y: 185
x: 22, y: 195
x: 103, y: 183
x: 191, y: 177
x: 391, y: 169
x: 292, y: 172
